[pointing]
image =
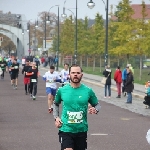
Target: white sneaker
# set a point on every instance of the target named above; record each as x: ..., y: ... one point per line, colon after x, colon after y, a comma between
x: 33, y: 97
x: 30, y: 95
x: 105, y: 97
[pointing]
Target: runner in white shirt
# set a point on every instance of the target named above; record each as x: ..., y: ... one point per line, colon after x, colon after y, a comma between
x: 51, y: 77
x: 23, y: 62
x: 65, y: 74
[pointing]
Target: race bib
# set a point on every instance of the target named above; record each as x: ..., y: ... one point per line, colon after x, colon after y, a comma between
x: 33, y: 80
x: 16, y: 67
x: 75, y: 117
x: 51, y: 81
x: 2, y: 64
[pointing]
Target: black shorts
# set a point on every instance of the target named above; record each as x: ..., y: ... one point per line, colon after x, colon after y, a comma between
x: 76, y: 141
x: 14, y: 76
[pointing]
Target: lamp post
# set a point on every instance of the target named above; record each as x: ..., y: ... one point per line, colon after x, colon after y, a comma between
x: 76, y: 31
x: 57, y: 34
x: 75, y: 53
x: 91, y: 4
x: 23, y: 40
x: 28, y: 30
x: 64, y: 17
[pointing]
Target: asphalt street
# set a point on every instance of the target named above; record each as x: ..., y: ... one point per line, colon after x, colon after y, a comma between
x: 26, y: 124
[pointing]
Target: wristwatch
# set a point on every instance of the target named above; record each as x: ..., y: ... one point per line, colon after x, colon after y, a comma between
x: 96, y: 110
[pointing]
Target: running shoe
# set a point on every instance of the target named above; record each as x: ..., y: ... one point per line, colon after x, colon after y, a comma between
x: 33, y: 97
x: 14, y: 87
x: 30, y: 95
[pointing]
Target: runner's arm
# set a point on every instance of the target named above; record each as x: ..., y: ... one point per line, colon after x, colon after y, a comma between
x: 58, y: 79
x: 55, y: 110
x: 56, y: 103
x: 94, y: 101
x: 44, y: 78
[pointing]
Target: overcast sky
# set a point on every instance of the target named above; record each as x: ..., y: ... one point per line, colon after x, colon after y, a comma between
x: 31, y: 8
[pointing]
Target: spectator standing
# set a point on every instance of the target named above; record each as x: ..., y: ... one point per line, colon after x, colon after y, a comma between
x: 124, y: 78
x: 129, y: 85
x: 46, y: 61
x: 42, y: 60
x: 118, y: 79
x: 107, y: 74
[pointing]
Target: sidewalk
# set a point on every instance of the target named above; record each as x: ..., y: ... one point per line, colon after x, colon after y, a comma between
x: 139, y: 90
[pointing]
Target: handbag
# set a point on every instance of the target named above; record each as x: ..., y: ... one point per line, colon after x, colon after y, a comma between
x: 103, y: 81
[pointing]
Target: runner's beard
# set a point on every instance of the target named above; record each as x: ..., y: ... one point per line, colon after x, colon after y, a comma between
x: 75, y: 79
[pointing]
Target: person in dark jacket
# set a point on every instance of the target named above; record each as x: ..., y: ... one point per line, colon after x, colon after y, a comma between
x: 107, y: 74
x: 129, y: 85
x: 118, y: 79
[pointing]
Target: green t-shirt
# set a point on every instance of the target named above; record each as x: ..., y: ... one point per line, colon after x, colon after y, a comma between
x: 74, y: 107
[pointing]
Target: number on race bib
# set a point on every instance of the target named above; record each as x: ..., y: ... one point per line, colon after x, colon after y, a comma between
x: 33, y: 80
x: 75, y: 117
x: 16, y: 67
x: 51, y: 81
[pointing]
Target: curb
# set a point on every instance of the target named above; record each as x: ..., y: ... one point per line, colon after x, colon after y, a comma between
x: 102, y: 85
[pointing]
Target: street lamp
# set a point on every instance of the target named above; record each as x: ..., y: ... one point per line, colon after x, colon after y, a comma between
x: 28, y: 30
x: 64, y: 16
x: 91, y: 4
x: 23, y: 40
x: 57, y: 34
x: 45, y: 21
x: 76, y: 32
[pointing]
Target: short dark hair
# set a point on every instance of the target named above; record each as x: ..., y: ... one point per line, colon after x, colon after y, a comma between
x: 66, y: 64
x: 74, y: 65
x: 118, y: 67
x: 52, y: 67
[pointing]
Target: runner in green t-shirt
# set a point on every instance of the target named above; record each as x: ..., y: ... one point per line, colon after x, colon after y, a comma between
x: 75, y: 98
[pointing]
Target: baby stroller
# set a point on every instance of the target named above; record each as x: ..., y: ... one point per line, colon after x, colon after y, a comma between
x: 147, y: 101
x: 147, y: 97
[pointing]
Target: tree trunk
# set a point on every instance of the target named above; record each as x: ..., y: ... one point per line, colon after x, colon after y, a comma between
x: 93, y: 63
x: 140, y: 75
x: 62, y: 59
x: 118, y: 61
x: 100, y: 63
x: 127, y: 58
x: 87, y: 61
x: 109, y: 60
x: 81, y: 61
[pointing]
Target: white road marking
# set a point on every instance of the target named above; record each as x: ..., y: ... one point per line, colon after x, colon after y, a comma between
x: 41, y: 96
x: 99, y: 134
